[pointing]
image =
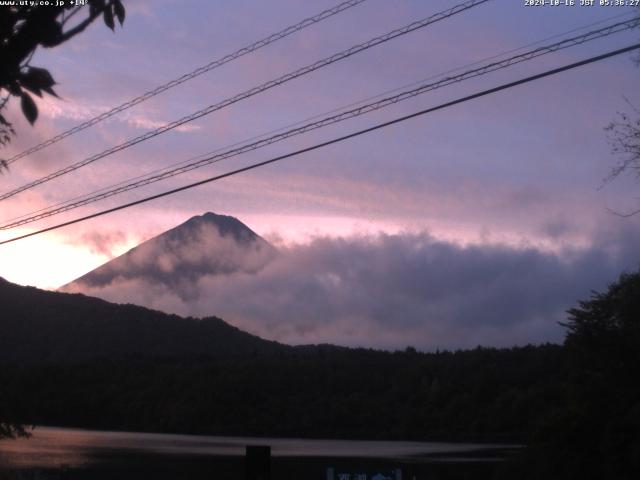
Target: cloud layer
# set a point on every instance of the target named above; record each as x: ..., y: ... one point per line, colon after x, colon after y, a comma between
x: 395, y: 290
x: 519, y: 166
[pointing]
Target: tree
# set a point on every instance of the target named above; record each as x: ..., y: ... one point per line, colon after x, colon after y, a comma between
x: 624, y: 137
x: 11, y: 430
x: 598, y: 433
x: 606, y: 328
x: 11, y: 407
x: 594, y: 434
x: 604, y: 339
x: 23, y: 28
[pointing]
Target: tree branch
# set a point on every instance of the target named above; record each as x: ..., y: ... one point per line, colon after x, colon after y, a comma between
x: 80, y: 27
x: 623, y: 215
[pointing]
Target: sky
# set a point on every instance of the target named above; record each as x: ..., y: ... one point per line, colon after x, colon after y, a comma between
x: 480, y: 223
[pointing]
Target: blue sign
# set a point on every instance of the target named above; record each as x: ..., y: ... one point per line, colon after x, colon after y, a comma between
x: 334, y: 474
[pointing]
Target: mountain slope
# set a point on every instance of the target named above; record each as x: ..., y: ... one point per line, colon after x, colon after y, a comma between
x: 209, y: 244
x: 38, y: 325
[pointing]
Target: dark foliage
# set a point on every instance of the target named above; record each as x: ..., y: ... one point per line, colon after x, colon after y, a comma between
x: 483, y: 394
x: 38, y: 326
x: 24, y: 28
x: 624, y: 137
x: 12, y: 418
x: 576, y: 406
x: 596, y: 435
x: 103, y: 365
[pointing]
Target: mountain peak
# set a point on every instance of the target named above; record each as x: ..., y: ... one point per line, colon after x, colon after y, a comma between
x: 208, y: 244
x: 226, y: 225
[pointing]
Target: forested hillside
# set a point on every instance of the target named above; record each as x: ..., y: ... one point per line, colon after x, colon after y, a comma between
x: 576, y: 406
x: 37, y: 325
x: 483, y: 394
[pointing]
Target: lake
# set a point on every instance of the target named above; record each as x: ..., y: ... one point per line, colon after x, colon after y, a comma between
x: 74, y: 453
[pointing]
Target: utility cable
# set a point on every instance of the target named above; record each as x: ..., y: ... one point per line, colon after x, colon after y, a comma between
x: 336, y: 140
x: 254, y: 91
x: 361, y: 110
x: 188, y: 76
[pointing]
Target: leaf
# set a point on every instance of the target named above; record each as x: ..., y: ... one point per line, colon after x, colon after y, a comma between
x: 7, y: 127
x: 32, y: 89
x: 95, y: 7
x: 37, y: 80
x: 118, y: 8
x: 14, y: 88
x: 108, y: 18
x: 44, y: 77
x: 29, y: 108
x: 51, y: 91
x: 50, y: 34
x: 30, y: 84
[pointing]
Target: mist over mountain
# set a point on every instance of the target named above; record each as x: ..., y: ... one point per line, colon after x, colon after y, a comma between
x: 370, y: 290
x: 208, y: 244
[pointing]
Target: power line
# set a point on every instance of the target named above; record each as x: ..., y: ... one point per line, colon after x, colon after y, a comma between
x: 195, y: 73
x: 320, y: 115
x: 313, y: 117
x: 123, y: 187
x: 361, y: 110
x: 255, y: 90
x: 81, y: 200
x: 336, y: 140
x: 472, y: 64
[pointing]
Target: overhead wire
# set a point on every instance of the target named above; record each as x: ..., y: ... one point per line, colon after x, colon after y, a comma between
x: 334, y: 110
x: 254, y: 91
x: 335, y: 140
x: 188, y: 76
x: 319, y: 115
x: 214, y: 157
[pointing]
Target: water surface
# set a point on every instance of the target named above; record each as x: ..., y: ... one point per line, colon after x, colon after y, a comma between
x: 50, y: 447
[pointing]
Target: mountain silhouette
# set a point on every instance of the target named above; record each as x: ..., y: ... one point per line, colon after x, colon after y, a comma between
x: 208, y: 244
x: 38, y: 325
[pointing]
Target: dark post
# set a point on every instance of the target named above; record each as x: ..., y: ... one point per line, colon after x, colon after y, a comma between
x: 64, y: 472
x: 258, y: 462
